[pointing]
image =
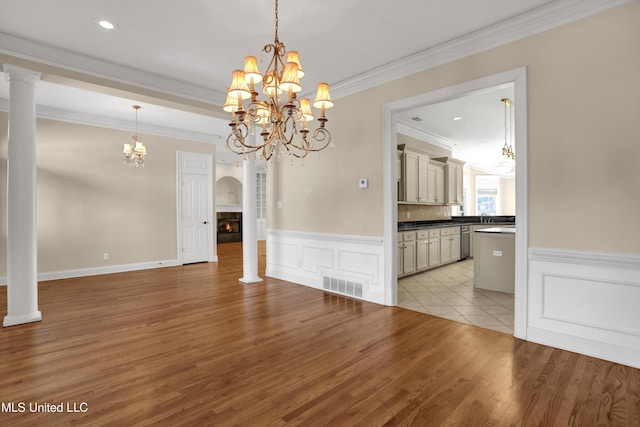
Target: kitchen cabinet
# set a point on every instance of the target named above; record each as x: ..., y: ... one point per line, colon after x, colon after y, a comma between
x: 472, y: 236
x: 429, y: 181
x: 453, y: 185
x: 455, y: 244
x: 445, y: 245
x: 435, y: 183
x: 406, y: 253
x: 494, y: 264
x: 449, y: 244
x: 427, y: 248
x: 422, y: 250
x: 415, y: 176
x: 434, y: 247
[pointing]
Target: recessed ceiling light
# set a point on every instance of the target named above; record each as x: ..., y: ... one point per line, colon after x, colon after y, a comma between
x: 455, y: 119
x: 107, y: 25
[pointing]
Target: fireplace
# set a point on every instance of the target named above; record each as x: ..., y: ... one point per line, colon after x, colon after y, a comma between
x: 229, y: 227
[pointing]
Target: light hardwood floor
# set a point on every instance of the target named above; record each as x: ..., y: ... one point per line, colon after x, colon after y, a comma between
x: 193, y: 346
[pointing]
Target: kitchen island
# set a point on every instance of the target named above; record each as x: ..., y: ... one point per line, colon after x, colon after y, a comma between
x: 494, y: 258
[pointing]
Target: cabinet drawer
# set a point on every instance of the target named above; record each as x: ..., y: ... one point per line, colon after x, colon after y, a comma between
x: 455, y: 231
x: 423, y: 234
x: 434, y: 232
x: 409, y: 236
x: 445, y: 231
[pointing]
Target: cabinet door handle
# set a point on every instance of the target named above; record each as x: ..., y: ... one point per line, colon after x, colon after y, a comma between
x: 205, y: 222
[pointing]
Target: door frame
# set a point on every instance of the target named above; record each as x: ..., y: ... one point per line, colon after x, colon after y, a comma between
x: 182, y: 159
x: 517, y: 77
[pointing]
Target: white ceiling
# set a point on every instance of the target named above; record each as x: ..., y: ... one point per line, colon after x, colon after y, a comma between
x: 189, y: 48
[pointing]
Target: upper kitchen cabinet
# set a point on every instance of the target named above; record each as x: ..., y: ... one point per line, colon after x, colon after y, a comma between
x: 414, y: 177
x: 453, y: 182
x: 435, y: 183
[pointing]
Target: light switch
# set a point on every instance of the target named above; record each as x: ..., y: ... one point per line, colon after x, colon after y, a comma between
x: 497, y: 253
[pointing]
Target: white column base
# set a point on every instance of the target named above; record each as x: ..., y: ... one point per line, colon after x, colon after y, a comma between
x: 19, y: 320
x: 250, y: 279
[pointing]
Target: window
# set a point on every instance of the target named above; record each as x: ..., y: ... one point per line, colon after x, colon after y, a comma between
x: 487, y: 194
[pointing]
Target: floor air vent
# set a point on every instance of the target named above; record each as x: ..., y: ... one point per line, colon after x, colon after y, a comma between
x: 342, y: 286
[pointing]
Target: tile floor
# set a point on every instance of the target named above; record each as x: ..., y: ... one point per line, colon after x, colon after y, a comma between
x: 448, y: 292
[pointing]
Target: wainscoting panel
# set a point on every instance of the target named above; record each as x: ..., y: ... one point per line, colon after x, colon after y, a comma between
x: 586, y: 302
x: 351, y: 265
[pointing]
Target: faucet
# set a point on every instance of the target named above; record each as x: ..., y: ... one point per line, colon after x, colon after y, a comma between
x: 482, y: 218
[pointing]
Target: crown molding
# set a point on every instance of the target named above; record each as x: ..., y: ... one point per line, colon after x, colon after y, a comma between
x: 44, y: 112
x: 428, y: 137
x: 545, y: 17
x: 61, y: 58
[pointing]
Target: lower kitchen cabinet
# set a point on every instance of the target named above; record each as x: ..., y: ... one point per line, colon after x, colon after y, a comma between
x: 434, y: 248
x: 425, y: 249
x: 422, y: 250
x: 406, y: 253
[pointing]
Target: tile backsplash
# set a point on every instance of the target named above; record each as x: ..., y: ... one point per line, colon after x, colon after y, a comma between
x: 423, y: 212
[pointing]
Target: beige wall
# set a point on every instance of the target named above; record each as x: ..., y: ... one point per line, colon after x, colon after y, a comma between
x: 89, y: 203
x: 582, y: 89
x: 507, y: 196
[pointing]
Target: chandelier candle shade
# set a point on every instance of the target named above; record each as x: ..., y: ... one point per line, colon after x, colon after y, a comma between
x: 135, y: 150
x: 281, y: 119
x: 507, y: 148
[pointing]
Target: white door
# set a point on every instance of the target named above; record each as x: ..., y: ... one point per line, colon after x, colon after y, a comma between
x: 195, y: 210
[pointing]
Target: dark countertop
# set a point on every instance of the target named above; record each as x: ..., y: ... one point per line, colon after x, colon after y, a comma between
x: 456, y: 220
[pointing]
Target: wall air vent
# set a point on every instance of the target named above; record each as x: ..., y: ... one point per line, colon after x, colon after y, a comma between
x: 346, y: 287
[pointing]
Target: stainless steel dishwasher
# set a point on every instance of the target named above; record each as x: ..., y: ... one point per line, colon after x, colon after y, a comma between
x: 465, y: 241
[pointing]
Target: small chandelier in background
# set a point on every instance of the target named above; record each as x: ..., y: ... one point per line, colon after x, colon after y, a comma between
x: 281, y: 119
x: 507, y: 148
x: 134, y: 151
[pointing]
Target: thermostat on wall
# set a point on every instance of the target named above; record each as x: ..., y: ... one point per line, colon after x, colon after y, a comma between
x: 364, y: 182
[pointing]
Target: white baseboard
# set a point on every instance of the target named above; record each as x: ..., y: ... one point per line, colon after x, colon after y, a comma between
x: 94, y: 271
x: 312, y: 259
x: 585, y: 302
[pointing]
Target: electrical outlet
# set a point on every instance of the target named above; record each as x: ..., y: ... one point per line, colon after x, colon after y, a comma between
x: 408, y: 214
x: 105, y: 256
x: 497, y: 253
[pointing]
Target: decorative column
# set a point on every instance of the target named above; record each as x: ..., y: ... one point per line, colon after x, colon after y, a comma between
x: 22, y: 238
x: 249, y: 221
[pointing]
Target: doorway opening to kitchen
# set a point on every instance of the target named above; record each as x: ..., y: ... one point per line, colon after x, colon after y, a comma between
x: 455, y: 280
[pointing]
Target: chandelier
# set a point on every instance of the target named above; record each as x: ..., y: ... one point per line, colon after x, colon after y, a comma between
x: 507, y: 148
x: 281, y: 119
x: 135, y: 150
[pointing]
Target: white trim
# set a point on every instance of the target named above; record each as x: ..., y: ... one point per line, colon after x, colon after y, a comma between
x: 19, y: 320
x: 602, y: 259
x: 94, y: 271
x: 545, y: 17
x: 42, y: 53
x: 517, y: 77
x: 341, y: 238
x: 428, y: 137
x: 78, y: 117
x: 306, y: 258
x: 585, y: 302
